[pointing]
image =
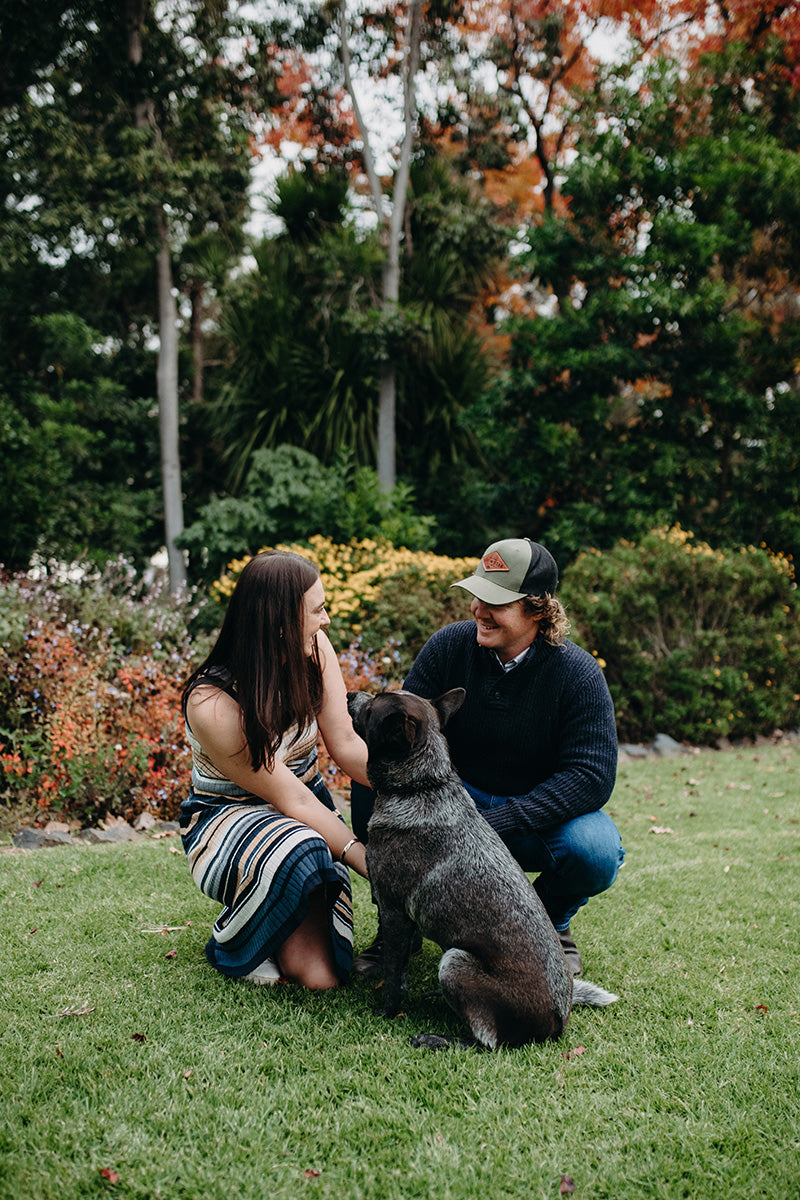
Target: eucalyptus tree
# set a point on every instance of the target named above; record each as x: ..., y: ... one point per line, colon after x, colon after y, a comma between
x: 302, y: 335
x: 350, y: 91
x: 128, y: 144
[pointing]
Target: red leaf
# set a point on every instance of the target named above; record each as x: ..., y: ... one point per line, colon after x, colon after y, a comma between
x: 575, y: 1050
x: 310, y: 1173
x: 138, y: 1037
x: 567, y: 1185
x: 110, y: 1175
x: 171, y: 954
x: 762, y: 1008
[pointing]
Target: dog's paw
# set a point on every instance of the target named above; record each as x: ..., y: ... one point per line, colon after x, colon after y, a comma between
x: 435, y: 1041
x: 386, y: 1010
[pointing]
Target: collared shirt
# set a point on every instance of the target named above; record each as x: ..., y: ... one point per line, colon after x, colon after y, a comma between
x: 514, y: 662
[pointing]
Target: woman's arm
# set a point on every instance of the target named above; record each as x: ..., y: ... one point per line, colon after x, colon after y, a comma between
x: 344, y: 745
x: 215, y: 720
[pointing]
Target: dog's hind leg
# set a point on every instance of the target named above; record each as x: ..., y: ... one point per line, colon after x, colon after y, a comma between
x: 465, y: 986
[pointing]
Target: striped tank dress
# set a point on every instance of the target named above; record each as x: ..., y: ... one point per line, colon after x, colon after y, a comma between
x: 260, y: 865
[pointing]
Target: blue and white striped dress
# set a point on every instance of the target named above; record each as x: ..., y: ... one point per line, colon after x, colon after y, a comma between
x: 261, y: 865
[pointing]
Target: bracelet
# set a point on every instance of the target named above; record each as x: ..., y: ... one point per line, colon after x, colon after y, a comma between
x: 351, y: 843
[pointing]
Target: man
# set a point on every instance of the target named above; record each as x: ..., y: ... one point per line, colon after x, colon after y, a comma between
x: 535, y: 740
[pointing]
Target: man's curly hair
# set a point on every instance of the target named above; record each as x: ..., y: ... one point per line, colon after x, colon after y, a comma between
x: 554, y: 623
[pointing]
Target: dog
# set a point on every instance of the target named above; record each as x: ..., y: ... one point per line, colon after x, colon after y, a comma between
x: 435, y: 864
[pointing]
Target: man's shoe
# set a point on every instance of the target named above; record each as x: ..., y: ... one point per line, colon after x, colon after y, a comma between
x: 369, y: 963
x: 571, y: 952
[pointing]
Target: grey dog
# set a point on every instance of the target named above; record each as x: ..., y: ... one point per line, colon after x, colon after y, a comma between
x: 436, y: 864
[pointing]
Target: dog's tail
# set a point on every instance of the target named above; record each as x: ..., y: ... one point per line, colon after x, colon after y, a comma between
x: 584, y: 992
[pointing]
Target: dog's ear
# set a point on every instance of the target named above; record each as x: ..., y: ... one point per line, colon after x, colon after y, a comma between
x: 448, y: 704
x: 398, y: 732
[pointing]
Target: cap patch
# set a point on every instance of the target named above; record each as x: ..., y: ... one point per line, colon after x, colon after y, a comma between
x: 494, y: 562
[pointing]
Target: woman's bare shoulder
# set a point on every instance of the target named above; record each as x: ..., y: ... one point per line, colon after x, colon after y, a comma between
x: 208, y: 705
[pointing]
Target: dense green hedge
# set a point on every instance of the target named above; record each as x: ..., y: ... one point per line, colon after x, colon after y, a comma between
x: 695, y: 642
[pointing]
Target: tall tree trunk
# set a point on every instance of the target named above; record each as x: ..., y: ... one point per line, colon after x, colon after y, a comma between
x: 168, y: 423
x: 391, y: 228
x: 167, y: 366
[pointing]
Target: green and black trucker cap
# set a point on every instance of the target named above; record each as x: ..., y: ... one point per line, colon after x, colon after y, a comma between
x: 512, y: 569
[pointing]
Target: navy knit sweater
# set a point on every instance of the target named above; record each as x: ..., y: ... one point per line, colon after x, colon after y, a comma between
x: 542, y: 733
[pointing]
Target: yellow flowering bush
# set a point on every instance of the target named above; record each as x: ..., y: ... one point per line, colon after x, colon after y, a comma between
x: 384, y: 598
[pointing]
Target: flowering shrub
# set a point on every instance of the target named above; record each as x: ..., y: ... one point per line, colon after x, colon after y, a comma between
x: 90, y: 736
x: 383, y: 600
x: 696, y: 642
x: 91, y: 669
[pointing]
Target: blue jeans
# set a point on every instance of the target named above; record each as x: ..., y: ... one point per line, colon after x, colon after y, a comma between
x: 575, y: 861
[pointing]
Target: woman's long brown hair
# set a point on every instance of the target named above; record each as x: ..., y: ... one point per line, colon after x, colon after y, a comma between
x: 259, y: 655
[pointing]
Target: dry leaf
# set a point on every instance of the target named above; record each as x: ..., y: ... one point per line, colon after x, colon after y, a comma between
x: 660, y: 829
x: 171, y: 954
x: 111, y: 1176
x: 311, y: 1173
x: 77, y: 1012
x: 567, y: 1185
x: 575, y: 1050
x: 138, y: 1037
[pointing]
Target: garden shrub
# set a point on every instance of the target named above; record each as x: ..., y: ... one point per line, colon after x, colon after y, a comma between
x: 696, y: 642
x: 382, y: 600
x: 91, y: 669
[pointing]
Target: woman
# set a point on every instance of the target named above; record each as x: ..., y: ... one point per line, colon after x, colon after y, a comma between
x: 259, y: 828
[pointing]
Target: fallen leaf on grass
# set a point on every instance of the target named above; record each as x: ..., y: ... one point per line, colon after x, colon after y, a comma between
x: 762, y: 1008
x: 567, y: 1185
x: 111, y: 1176
x: 77, y: 1012
x: 660, y: 829
x: 310, y: 1173
x: 138, y: 1037
x: 574, y: 1051
x: 171, y: 954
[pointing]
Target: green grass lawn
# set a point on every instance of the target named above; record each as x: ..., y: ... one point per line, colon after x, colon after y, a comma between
x: 124, y: 1053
